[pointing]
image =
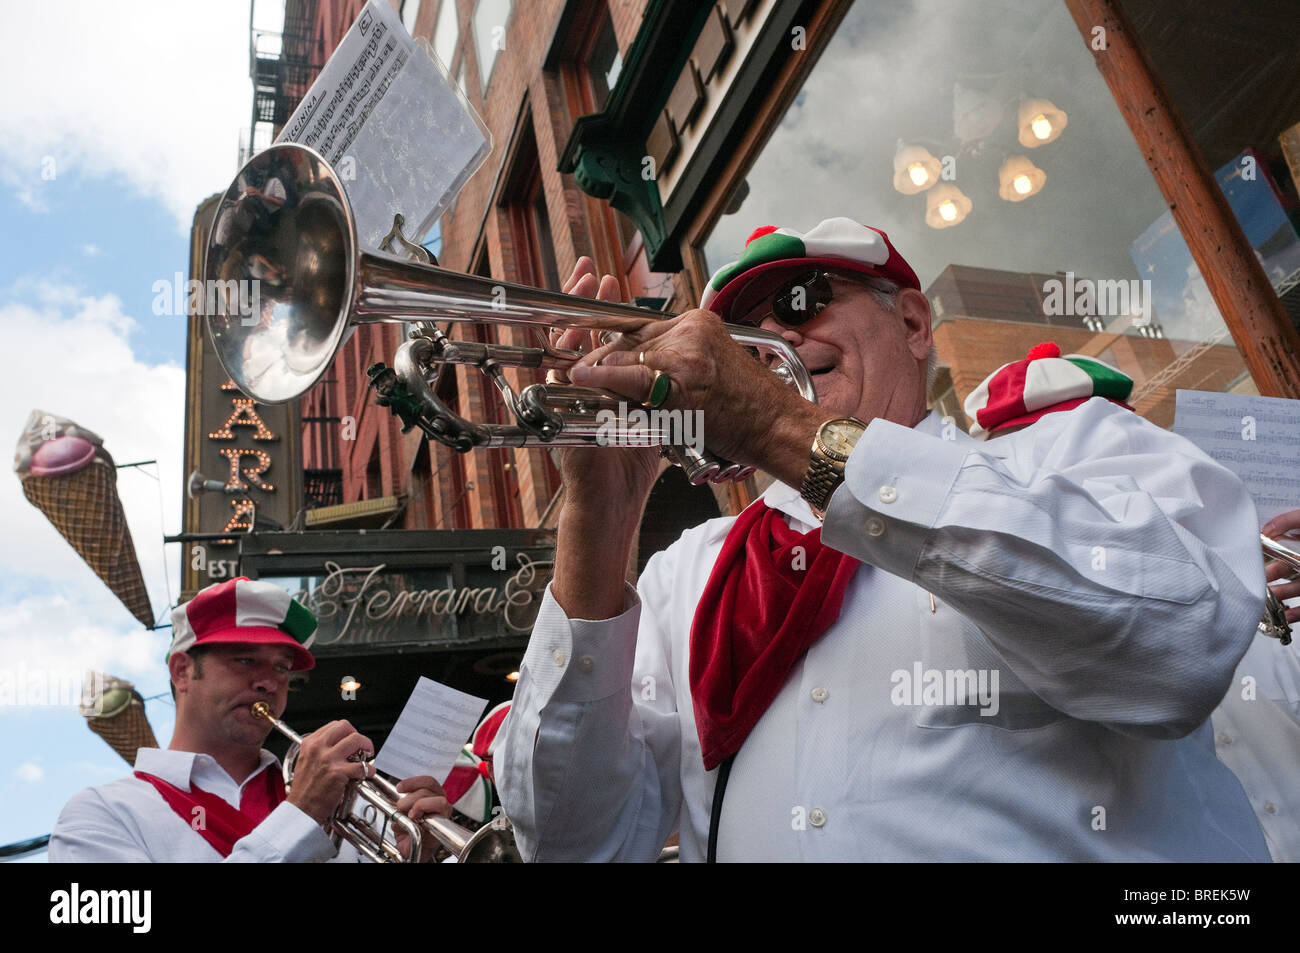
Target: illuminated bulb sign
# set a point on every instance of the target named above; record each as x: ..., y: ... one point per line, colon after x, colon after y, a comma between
x: 248, y: 464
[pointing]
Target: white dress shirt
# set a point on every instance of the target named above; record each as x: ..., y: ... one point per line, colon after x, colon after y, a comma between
x: 1107, y: 570
x: 127, y: 821
x: 1257, y: 735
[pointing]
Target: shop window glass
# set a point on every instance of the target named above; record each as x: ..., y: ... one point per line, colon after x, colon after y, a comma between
x: 983, y: 140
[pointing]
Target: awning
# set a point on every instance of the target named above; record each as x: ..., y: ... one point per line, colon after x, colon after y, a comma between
x: 363, y: 514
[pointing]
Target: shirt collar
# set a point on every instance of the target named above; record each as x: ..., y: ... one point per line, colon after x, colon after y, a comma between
x: 178, y: 768
x: 788, y: 500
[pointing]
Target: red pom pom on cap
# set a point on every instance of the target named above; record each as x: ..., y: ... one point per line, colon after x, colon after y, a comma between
x: 760, y: 232
x: 1046, y: 349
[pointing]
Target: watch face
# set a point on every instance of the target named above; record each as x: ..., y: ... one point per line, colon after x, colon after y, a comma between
x: 839, y: 437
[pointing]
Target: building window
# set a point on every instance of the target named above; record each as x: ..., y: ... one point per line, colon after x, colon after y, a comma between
x: 490, y: 20
x: 538, y: 238
x: 530, y: 222
x: 410, y: 13
x: 603, y: 61
x: 1003, y: 178
x: 446, y: 33
x: 589, y: 65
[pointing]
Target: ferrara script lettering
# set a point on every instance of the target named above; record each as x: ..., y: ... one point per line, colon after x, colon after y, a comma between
x: 354, y: 596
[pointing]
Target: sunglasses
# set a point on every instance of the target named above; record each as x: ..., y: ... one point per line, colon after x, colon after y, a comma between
x: 795, y: 302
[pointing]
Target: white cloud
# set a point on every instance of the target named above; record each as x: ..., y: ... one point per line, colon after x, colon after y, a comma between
x: 91, y: 250
x: 70, y: 354
x: 30, y: 771
x: 154, y: 92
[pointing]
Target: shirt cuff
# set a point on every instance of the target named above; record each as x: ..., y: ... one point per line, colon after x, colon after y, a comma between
x: 896, y: 483
x: 292, y: 835
x: 582, y: 660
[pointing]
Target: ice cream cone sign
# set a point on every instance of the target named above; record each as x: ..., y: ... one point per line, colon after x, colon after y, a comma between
x: 68, y: 475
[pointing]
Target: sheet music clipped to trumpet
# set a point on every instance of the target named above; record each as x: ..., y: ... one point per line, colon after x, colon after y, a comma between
x: 396, y: 129
x: 1257, y: 438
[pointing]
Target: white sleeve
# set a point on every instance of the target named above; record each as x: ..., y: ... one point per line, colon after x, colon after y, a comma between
x: 89, y: 830
x: 287, y: 836
x: 589, y: 764
x: 1114, y: 566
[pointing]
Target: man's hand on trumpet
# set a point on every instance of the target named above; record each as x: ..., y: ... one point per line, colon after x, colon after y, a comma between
x: 326, y: 763
x: 750, y: 415
x: 1280, y: 528
x: 422, y: 796
x: 604, y: 491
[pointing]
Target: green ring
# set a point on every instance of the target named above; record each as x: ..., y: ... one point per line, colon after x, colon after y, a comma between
x: 659, y: 390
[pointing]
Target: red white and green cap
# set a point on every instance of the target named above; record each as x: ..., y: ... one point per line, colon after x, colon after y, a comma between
x: 1043, y: 383
x: 469, y: 787
x: 244, y: 611
x: 770, y: 252
x: 484, y: 742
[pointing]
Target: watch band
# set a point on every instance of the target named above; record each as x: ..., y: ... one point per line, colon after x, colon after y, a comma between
x: 820, y: 481
x: 825, y: 471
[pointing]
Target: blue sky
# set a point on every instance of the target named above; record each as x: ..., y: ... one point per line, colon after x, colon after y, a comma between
x: 102, y: 164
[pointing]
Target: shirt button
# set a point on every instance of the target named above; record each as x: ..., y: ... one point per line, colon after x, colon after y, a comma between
x: 888, y: 494
x: 1270, y: 807
x: 875, y: 526
x: 1224, y: 738
x: 586, y: 663
x: 820, y: 694
x: 817, y: 817
x: 558, y: 655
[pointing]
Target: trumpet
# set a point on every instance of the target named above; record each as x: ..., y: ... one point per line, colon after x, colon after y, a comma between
x: 1274, y: 623
x: 285, y: 227
x: 368, y: 812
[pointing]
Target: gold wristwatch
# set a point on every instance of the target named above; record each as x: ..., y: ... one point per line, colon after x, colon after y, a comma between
x: 830, y: 451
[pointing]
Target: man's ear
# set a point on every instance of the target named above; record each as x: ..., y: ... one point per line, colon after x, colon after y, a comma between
x: 914, y: 308
x: 180, y: 666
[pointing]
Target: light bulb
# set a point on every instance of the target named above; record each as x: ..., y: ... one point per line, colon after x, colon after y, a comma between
x: 947, y: 210
x: 1022, y: 184
x: 916, y: 172
x: 1041, y: 126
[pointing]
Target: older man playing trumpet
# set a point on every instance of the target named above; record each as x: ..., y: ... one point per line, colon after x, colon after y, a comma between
x: 801, y: 682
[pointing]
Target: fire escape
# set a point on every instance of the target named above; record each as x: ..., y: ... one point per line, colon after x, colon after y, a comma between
x: 282, y: 66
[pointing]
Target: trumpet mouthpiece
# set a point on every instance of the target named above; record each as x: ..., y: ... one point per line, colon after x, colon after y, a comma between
x: 261, y: 709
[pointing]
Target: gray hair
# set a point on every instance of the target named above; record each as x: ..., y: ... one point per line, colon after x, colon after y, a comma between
x: 886, y: 292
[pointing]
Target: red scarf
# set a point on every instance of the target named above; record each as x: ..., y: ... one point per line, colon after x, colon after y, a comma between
x: 222, y: 825
x: 764, y: 605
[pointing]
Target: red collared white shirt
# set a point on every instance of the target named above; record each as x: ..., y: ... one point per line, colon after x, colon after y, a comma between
x: 127, y: 821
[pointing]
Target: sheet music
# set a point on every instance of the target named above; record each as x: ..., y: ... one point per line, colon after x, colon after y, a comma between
x: 1257, y: 438
x: 394, y: 127
x: 427, y: 738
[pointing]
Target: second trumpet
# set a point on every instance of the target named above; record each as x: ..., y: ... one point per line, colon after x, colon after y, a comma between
x: 368, y: 813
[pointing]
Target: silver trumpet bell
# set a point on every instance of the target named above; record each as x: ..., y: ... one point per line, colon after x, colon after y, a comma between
x: 368, y: 812
x: 286, y: 280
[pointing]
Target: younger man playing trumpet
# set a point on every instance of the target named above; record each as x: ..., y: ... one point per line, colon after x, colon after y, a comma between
x: 215, y: 795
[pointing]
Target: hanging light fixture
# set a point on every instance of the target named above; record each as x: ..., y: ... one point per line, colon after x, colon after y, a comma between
x: 1040, y: 122
x: 1019, y: 178
x: 915, y: 169
x: 945, y: 206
